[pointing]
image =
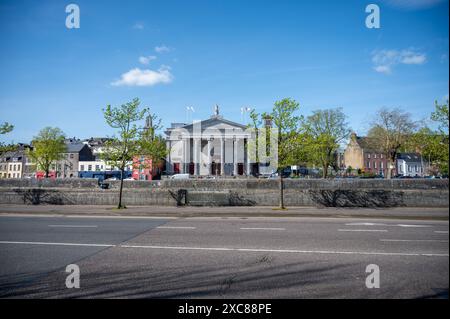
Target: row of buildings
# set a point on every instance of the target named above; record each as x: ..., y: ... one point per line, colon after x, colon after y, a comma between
x: 215, y: 146
x: 81, y: 159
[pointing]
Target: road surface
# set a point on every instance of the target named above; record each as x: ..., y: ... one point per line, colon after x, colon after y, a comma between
x: 228, y: 257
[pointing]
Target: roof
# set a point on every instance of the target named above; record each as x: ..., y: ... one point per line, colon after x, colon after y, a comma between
x: 366, y: 143
x: 206, y: 123
x: 409, y: 157
x: 74, y: 147
x: 7, y: 156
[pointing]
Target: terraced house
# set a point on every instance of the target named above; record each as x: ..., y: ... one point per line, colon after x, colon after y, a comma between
x: 361, y: 154
x: 15, y: 164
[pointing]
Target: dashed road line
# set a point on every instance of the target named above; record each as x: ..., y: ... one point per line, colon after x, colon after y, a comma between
x: 74, y: 226
x: 176, y: 227
x: 364, y: 230
x: 262, y: 228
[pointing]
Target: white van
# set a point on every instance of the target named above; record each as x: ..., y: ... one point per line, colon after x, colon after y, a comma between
x: 180, y: 176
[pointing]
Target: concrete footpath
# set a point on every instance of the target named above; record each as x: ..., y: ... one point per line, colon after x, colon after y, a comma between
x: 180, y: 212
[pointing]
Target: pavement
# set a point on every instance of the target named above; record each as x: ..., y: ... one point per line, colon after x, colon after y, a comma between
x: 239, y: 211
x: 222, y: 257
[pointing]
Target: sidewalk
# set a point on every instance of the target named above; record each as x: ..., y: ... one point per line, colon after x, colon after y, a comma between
x: 260, y: 211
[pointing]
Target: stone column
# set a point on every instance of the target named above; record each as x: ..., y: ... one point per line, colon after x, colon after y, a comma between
x: 248, y: 158
x: 196, y: 152
x: 209, y: 157
x: 169, y: 164
x: 186, y: 156
x: 235, y: 164
x: 222, y: 155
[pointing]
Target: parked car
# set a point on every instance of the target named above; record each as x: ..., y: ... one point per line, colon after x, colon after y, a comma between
x: 180, y: 176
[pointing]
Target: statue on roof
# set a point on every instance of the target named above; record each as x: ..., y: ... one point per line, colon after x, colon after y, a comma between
x: 216, y: 110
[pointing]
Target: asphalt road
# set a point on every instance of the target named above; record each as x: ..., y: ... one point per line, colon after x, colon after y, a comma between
x: 222, y: 257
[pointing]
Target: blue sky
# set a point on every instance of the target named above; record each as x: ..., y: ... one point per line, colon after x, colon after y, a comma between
x: 172, y: 54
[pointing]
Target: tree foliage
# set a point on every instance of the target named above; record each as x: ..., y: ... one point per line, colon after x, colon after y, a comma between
x: 390, y: 132
x: 6, y: 128
x: 322, y: 133
x: 48, y: 147
x: 440, y: 115
x: 286, y: 122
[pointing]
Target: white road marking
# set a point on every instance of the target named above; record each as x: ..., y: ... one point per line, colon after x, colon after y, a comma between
x: 54, y: 244
x: 403, y: 225
x: 365, y: 230
x: 284, y: 251
x: 262, y: 228
x: 365, y: 224
x: 387, y: 225
x: 176, y: 227
x: 74, y: 226
x: 441, y: 231
x: 230, y: 249
x: 415, y: 240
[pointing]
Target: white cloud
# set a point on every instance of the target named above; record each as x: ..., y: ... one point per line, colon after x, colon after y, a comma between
x: 383, y: 69
x: 385, y: 60
x: 162, y: 49
x: 138, y: 77
x: 146, y: 59
x: 138, y: 26
x: 410, y: 57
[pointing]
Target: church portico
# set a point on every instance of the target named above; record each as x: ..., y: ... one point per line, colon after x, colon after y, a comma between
x: 214, y: 146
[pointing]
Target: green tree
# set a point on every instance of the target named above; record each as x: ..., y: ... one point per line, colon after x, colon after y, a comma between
x: 48, y: 146
x: 6, y: 128
x: 390, y: 131
x: 441, y: 140
x: 131, y: 141
x: 255, y: 125
x: 286, y: 123
x: 440, y: 115
x: 323, y: 131
x: 151, y: 145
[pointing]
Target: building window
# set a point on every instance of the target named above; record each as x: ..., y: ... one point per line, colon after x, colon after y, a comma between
x: 381, y: 165
x: 97, y: 167
x: 71, y: 155
x: 374, y: 155
x: 375, y: 164
x: 381, y: 155
x: 417, y: 168
x: 409, y: 168
x: 368, y: 155
x: 81, y: 167
x: 89, y: 167
x: 368, y: 164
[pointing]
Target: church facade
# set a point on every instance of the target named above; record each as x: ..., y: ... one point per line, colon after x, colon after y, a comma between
x: 215, y: 146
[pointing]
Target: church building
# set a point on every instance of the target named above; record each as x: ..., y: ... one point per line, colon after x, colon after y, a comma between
x: 214, y: 146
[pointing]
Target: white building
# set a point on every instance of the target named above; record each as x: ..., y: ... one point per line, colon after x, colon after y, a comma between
x: 215, y: 146
x: 410, y: 164
x: 99, y: 166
